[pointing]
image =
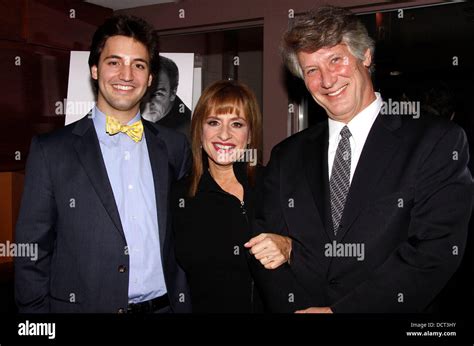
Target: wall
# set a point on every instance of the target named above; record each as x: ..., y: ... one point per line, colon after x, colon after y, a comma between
x: 36, y: 37
x: 11, y: 188
x: 273, y: 15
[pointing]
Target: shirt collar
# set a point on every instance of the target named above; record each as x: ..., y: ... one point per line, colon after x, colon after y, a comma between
x: 360, y: 125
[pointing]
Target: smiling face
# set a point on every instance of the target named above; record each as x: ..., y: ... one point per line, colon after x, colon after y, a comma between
x: 338, y: 81
x: 161, y: 100
x: 222, y: 137
x: 123, y: 76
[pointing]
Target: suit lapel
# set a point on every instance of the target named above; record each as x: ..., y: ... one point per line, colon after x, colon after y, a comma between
x: 378, y: 151
x: 316, y: 169
x: 88, y: 149
x: 159, y: 166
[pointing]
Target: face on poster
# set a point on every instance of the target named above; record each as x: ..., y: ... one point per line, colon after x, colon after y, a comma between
x: 81, y: 96
x: 171, y: 89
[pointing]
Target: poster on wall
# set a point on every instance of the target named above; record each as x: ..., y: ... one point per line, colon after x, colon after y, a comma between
x: 168, y: 101
x: 80, y: 92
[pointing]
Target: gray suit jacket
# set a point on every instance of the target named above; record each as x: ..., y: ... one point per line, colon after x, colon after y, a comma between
x: 68, y: 209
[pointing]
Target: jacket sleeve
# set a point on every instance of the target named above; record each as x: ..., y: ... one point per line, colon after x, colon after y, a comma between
x: 419, y: 268
x: 35, y: 226
x: 277, y: 287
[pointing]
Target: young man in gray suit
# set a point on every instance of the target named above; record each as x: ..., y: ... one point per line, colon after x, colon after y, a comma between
x: 96, y: 195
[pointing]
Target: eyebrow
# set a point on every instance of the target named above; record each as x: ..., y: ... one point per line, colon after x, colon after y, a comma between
x: 329, y: 57
x: 304, y: 68
x: 233, y: 118
x: 121, y: 58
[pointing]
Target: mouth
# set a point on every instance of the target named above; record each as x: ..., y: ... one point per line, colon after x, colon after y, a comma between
x: 122, y: 87
x: 338, y: 91
x: 223, y: 147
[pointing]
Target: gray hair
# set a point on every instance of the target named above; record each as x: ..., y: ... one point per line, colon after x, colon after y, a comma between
x: 325, y: 27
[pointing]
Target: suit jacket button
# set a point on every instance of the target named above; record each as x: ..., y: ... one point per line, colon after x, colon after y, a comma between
x: 122, y: 269
x: 121, y: 311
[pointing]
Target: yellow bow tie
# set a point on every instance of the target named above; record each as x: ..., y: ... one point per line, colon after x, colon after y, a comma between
x: 134, y: 131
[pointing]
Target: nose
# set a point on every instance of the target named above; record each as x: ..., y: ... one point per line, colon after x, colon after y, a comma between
x: 328, y: 78
x: 224, y: 134
x: 126, y: 73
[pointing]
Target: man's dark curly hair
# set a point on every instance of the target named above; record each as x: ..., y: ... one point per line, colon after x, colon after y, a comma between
x: 129, y: 26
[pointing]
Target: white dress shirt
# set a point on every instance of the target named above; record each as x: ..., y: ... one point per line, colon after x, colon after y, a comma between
x: 360, y: 127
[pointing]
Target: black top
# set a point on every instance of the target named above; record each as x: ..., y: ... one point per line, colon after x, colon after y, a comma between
x: 178, y: 118
x: 210, y: 230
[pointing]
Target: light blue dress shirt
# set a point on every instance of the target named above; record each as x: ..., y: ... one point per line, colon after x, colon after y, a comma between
x: 129, y: 170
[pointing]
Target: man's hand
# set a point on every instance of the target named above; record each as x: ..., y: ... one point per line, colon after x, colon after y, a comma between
x: 325, y: 310
x: 272, y: 250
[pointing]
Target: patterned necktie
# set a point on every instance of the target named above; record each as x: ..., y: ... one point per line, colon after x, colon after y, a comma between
x: 134, y: 131
x: 340, y: 177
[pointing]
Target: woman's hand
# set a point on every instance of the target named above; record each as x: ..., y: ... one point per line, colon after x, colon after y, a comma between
x: 272, y: 250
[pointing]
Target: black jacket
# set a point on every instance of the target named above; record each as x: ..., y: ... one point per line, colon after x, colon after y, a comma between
x: 210, y: 231
x: 178, y: 118
x: 409, y: 204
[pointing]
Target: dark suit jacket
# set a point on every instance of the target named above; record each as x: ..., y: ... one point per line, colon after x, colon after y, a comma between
x: 81, y: 248
x: 409, y: 204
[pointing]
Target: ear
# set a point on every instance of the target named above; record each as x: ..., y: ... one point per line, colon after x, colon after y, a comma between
x: 94, y: 72
x: 150, y: 79
x: 173, y: 95
x: 367, y: 58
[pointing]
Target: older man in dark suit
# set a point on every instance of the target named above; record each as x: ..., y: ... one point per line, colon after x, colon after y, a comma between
x: 376, y: 204
x: 96, y: 195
